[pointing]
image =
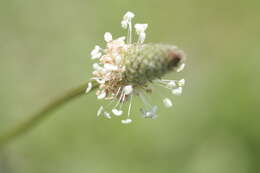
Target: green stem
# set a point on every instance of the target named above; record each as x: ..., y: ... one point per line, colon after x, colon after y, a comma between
x: 36, y: 118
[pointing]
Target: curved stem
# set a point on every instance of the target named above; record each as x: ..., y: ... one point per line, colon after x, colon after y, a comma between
x: 36, y: 118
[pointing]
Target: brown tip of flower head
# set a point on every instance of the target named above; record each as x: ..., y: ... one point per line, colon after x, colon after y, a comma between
x: 176, y: 57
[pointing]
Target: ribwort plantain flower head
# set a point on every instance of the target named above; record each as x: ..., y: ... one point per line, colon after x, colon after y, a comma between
x: 125, y: 69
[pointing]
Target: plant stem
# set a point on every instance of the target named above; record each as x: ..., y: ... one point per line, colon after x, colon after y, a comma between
x: 36, y: 118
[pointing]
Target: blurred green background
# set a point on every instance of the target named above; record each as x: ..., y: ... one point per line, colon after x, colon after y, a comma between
x: 214, y: 127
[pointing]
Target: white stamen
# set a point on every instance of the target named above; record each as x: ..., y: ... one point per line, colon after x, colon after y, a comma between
x: 110, y: 67
x: 96, y: 66
x: 142, y: 36
x: 96, y: 56
x: 171, y: 84
x: 177, y: 91
x: 95, y: 50
x: 130, y: 105
x: 167, y: 102
x: 100, y: 110
x: 147, y: 104
x: 121, y: 39
x: 180, y: 68
x: 101, y: 95
x: 118, y: 91
x: 118, y: 59
x: 128, y: 89
x: 120, y: 99
x: 139, y: 28
x: 106, y: 59
x: 108, y: 37
x: 181, y: 82
x: 150, y: 114
x: 107, y: 115
x: 89, y: 87
x: 95, y: 53
x: 126, y: 121
x: 128, y: 16
x: 129, y: 34
x: 117, y: 112
x: 124, y: 24
x: 123, y: 99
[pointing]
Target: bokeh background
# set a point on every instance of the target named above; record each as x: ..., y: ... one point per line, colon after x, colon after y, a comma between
x: 214, y: 127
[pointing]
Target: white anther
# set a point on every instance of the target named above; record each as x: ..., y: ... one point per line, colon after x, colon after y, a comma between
x: 181, y: 82
x: 180, y: 68
x: 167, y: 102
x: 108, y: 37
x: 177, y: 91
x: 126, y: 121
x: 101, y: 95
x: 128, y: 89
x: 117, y: 112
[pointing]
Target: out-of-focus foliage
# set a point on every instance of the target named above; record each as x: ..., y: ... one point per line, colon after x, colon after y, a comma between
x: 214, y: 127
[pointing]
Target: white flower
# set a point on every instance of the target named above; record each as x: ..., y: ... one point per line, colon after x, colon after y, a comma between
x: 140, y: 28
x: 95, y: 53
x: 180, y: 68
x: 126, y: 121
x: 181, y: 82
x: 167, y: 102
x: 177, y: 91
x: 108, y: 37
x: 128, y: 89
x: 89, y: 87
x: 117, y: 112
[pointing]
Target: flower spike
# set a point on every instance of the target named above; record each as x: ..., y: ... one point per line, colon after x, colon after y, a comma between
x: 126, y: 69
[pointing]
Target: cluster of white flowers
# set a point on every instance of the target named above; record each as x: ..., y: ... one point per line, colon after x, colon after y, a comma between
x: 108, y: 74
